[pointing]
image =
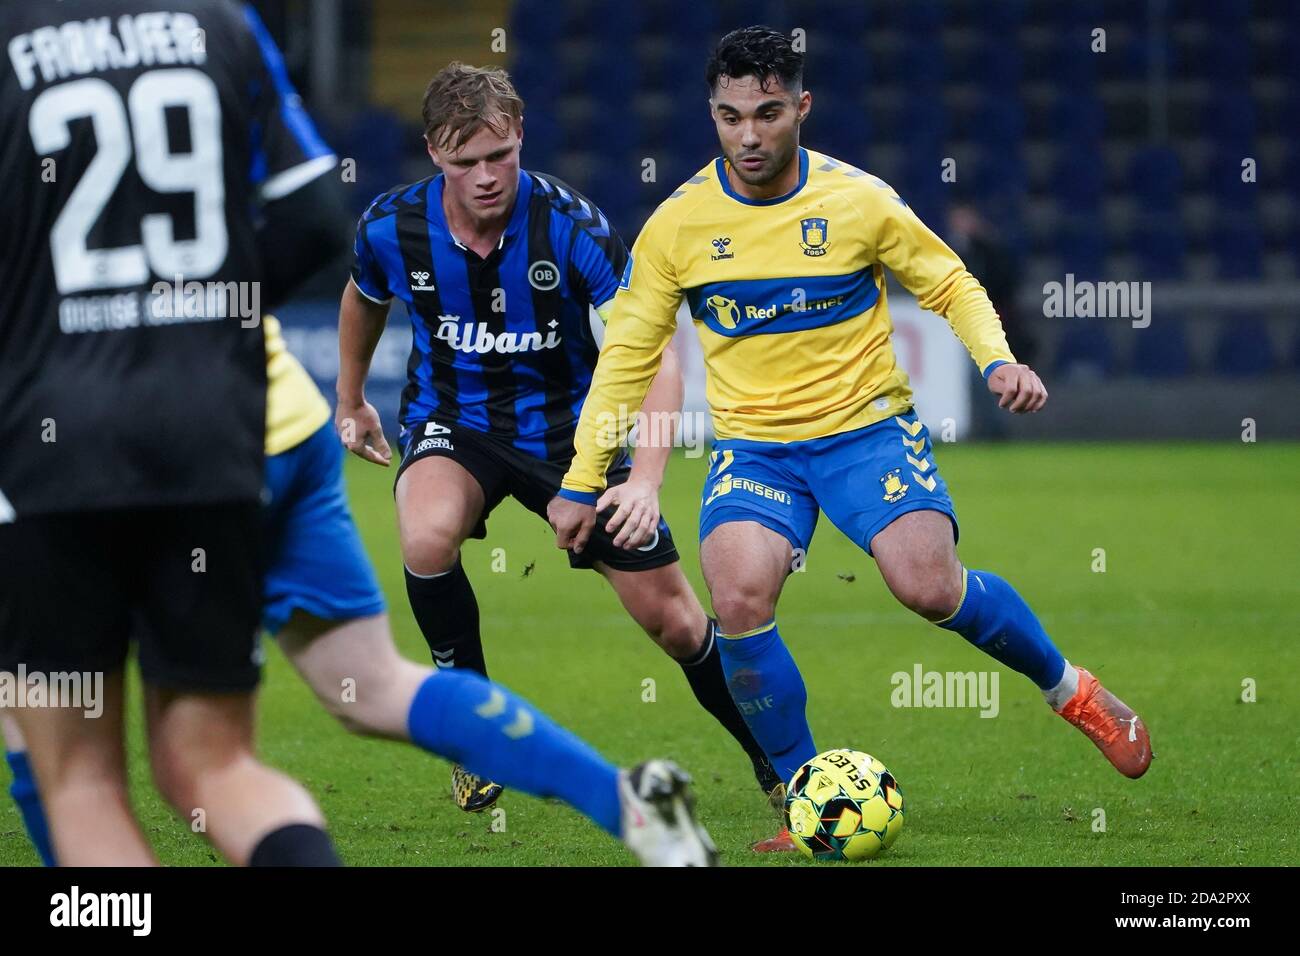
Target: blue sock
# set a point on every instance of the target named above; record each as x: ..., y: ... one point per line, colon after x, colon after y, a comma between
x: 24, y: 792
x: 466, y: 718
x: 996, y: 619
x: 768, y: 689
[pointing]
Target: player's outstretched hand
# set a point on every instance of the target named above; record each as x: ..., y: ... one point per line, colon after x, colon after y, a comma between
x: 1018, y: 387
x: 637, y: 516
x: 361, y: 433
x: 572, y: 521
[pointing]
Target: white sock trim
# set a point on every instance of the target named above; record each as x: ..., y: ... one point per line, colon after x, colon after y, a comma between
x: 428, y: 577
x: 1065, y: 688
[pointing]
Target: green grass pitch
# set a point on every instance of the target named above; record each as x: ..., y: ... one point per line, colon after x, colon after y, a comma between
x: 1201, y: 592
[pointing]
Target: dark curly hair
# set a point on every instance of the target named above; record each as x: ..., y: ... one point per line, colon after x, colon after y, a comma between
x: 757, y: 51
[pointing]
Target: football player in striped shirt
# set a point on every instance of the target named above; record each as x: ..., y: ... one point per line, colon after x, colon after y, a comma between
x: 810, y: 408
x: 498, y: 269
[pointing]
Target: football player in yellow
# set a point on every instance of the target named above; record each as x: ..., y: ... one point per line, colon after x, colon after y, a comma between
x: 780, y: 253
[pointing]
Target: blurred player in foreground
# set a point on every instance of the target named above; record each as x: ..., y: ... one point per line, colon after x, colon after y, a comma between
x: 319, y: 593
x: 499, y: 269
x: 322, y: 601
x: 810, y: 408
x: 132, y: 409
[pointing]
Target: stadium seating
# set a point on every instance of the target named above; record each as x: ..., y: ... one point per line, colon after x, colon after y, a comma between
x: 1055, y: 142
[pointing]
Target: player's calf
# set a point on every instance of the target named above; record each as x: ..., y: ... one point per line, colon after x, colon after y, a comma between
x: 355, y: 671
x: 81, y: 765
x: 200, y: 748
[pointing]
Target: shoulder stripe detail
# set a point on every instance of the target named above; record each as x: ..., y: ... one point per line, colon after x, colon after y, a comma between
x: 397, y: 198
x: 573, y: 204
x: 693, y: 181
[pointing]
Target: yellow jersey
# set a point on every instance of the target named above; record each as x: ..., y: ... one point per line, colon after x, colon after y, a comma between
x: 788, y: 299
x: 295, y: 408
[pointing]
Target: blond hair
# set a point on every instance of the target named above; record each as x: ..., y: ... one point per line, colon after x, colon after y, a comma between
x: 461, y: 99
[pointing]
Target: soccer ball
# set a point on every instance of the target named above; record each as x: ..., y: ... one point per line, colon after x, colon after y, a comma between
x: 843, y: 805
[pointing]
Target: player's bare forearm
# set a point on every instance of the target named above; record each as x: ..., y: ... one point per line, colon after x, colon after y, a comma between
x: 636, y: 500
x: 659, y: 414
x: 361, y: 323
x: 1018, y: 387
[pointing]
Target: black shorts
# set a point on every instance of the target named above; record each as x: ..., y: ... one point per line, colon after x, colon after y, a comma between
x: 502, y: 470
x: 184, y: 583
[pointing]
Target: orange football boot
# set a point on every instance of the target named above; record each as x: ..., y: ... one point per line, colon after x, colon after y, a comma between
x: 782, y: 842
x: 1109, y: 723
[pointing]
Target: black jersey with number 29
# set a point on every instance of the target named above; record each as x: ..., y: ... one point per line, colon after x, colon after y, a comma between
x: 138, y: 140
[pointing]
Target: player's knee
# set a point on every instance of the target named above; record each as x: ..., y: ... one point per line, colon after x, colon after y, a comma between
x: 174, y: 778
x: 933, y: 596
x: 181, y: 768
x: 430, y: 551
x: 680, y: 630
x: 739, y: 609
x: 350, y: 716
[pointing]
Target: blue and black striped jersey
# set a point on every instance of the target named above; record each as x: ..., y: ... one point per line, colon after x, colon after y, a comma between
x: 501, y: 345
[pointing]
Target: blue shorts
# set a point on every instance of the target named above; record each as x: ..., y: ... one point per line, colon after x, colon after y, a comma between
x: 315, y: 559
x: 862, y: 479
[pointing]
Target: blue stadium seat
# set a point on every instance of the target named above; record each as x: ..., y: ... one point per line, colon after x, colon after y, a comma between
x: 839, y: 125
x: 534, y: 28
x: 923, y: 16
x: 1081, y: 245
x: 1161, y: 246
x: 845, y: 21
x: 922, y: 124
x: 1231, y: 61
x: 380, y: 141
x: 614, y: 186
x: 1000, y: 176
x: 603, y: 71
x: 535, y: 75
x: 1004, y: 18
x: 998, y: 123
x: 1161, y: 350
x: 543, y: 137
x: 924, y: 61
x: 1229, y: 118
x: 679, y: 18
x: 994, y: 66
x: 1085, y: 350
x: 842, y: 64
x: 1156, y: 175
x: 1075, y: 13
x: 1239, y: 247
x: 1069, y: 60
x: 1244, y: 348
x: 1078, y: 180
x: 1076, y: 118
